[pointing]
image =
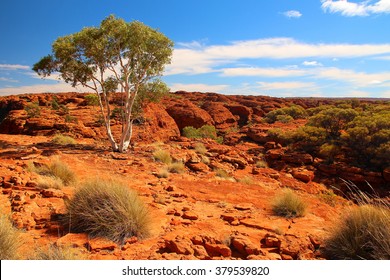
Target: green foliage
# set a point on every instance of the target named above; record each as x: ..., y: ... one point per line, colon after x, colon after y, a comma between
x: 92, y: 99
x: 206, y: 131
x: 286, y: 114
x: 9, y: 239
x: 54, y: 103
x: 91, y: 58
x: 70, y: 119
x: 333, y: 120
x: 108, y: 209
x: 288, y: 204
x: 329, y: 151
x: 368, y: 137
x: 284, y: 118
x: 33, y: 110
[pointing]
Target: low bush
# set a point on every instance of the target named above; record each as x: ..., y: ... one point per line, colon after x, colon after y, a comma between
x: 108, y: 209
x: 33, y: 110
x: 289, y: 205
x: 206, y: 131
x: 92, y: 99
x: 9, y: 239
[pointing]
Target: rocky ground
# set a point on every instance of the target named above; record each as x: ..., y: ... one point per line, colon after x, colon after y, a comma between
x: 196, y: 214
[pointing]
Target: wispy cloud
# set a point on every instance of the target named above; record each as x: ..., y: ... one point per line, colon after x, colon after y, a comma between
x: 206, y: 59
x: 287, y: 85
x: 198, y: 87
x: 292, y: 14
x: 14, y: 67
x: 41, y: 88
x: 261, y: 72
x: 350, y: 9
x: 3, y: 79
x: 311, y: 63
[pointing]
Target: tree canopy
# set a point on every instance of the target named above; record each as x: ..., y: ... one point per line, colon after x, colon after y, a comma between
x: 117, y: 55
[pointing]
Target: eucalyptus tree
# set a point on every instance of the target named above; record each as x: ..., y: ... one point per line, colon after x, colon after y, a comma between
x: 129, y: 56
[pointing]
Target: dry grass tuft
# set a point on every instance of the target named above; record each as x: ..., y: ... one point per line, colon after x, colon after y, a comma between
x: 49, y: 182
x: 58, y: 253
x: 108, y: 209
x: 289, y: 204
x: 9, y: 239
x: 200, y: 148
x: 363, y: 232
x: 63, y: 140
x: 56, y: 169
x: 162, y: 156
x: 176, y: 167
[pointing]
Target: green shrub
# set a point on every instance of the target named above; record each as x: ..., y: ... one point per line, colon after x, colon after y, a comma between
x: 284, y: 118
x: 288, y: 204
x: 286, y: 114
x: 329, y: 151
x: 63, y: 140
x: 9, y: 239
x: 56, y: 168
x: 92, y: 99
x: 206, y: 131
x: 108, y: 209
x: 362, y: 233
x: 33, y: 110
x: 162, y: 156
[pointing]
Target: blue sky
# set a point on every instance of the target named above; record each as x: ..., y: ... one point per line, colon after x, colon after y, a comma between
x: 279, y: 48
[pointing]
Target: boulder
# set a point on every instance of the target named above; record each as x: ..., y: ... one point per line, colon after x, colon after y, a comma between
x: 222, y: 117
x: 303, y: 175
x: 185, y: 113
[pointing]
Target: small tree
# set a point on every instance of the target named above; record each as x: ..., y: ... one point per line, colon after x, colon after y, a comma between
x: 117, y: 54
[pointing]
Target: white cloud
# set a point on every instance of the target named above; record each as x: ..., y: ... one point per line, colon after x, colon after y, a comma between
x: 292, y: 14
x: 350, y: 9
x: 287, y: 85
x: 261, y: 72
x: 359, y: 79
x: 205, y: 59
x: 41, y: 88
x: 312, y: 63
x: 14, y: 67
x: 198, y: 87
x: 3, y: 79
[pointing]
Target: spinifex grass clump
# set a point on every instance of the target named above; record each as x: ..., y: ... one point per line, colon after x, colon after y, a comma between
x: 108, y: 209
x: 289, y: 204
x: 363, y: 232
x: 162, y: 156
x: 56, y: 169
x: 58, y: 253
x: 9, y: 239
